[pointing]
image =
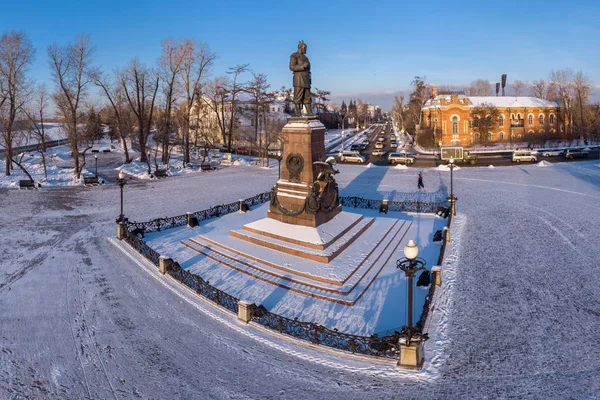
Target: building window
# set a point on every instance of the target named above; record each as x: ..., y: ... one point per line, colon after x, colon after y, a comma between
x: 541, y: 119
x: 530, y: 119
x: 501, y: 121
x: 476, y: 138
x: 542, y: 132
x: 454, y: 126
x: 551, y: 119
x: 501, y: 136
x: 489, y: 136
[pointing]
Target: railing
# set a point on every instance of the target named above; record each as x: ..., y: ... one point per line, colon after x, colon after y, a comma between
x: 414, y: 204
x: 317, y: 334
x: 202, y: 287
x: 374, y: 345
x: 159, y: 224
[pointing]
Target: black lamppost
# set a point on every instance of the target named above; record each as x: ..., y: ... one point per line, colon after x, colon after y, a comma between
x: 452, y: 200
x: 120, y: 221
x: 411, y: 265
x: 96, y: 158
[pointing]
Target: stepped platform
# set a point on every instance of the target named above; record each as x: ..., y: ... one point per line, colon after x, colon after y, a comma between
x: 343, y: 280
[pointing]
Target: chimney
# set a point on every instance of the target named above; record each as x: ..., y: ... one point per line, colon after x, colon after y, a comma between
x: 434, y: 91
x: 497, y: 88
x: 503, y: 83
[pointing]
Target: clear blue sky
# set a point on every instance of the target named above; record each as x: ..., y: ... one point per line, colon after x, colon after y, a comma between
x: 355, y: 47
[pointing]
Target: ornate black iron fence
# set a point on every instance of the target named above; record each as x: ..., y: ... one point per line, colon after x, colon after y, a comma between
x: 378, y: 346
x: 202, y: 287
x: 317, y: 334
x: 159, y: 224
x: 141, y: 247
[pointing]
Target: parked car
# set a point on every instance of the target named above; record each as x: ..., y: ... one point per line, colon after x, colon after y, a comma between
x: 552, y: 153
x: 401, y: 158
x: 577, y: 153
x: 351, y: 156
x: 354, y: 147
x: 519, y: 156
x: 378, y: 152
x: 242, y: 150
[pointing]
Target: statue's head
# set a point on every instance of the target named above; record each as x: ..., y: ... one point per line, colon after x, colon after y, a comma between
x: 302, y: 47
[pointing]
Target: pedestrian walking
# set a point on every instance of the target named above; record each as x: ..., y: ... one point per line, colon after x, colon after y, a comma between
x: 420, y: 182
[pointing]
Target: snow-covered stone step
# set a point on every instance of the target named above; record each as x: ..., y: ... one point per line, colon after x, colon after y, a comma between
x: 299, y: 250
x: 336, y: 272
x: 348, y: 294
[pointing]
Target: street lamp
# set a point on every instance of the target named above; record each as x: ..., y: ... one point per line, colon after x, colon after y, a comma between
x: 452, y: 200
x: 120, y: 221
x: 411, y: 264
x: 96, y: 158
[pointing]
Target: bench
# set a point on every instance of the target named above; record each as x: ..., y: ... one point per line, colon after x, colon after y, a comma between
x: 90, y: 180
x: 206, y: 167
x: 26, y: 184
x: 160, y: 173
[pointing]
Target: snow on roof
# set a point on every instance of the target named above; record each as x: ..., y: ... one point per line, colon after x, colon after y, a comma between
x: 496, y: 101
x: 511, y: 101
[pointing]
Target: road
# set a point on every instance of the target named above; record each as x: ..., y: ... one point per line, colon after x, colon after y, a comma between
x: 428, y: 160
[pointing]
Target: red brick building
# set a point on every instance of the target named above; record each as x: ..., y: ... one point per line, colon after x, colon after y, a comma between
x: 449, y: 118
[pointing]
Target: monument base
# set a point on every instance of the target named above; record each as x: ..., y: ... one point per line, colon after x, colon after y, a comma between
x: 306, y: 194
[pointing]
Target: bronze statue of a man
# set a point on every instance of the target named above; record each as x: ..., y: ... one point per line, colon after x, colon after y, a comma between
x: 300, y: 65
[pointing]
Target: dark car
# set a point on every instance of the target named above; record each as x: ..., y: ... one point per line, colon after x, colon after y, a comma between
x: 577, y: 153
x: 354, y: 147
x: 362, y: 146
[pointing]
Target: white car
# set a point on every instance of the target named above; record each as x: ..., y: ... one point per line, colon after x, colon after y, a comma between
x: 351, y: 156
x: 379, y: 145
x: 552, y: 153
x: 401, y: 158
x: 519, y: 156
x: 378, y: 152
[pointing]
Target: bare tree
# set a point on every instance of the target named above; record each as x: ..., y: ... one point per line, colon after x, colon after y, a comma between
x: 16, y: 55
x: 417, y: 99
x: 485, y: 118
x: 169, y: 66
x: 221, y: 95
x: 259, y: 100
x: 37, y: 117
x: 563, y: 81
x: 518, y: 88
x: 197, y: 59
x: 140, y: 86
x: 398, y: 110
x: 582, y: 89
x: 538, y: 89
x: 480, y: 87
x: 120, y: 116
x: 71, y: 72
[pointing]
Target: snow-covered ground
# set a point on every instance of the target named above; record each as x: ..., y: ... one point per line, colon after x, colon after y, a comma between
x: 59, y: 166
x: 517, y: 316
x: 53, y: 131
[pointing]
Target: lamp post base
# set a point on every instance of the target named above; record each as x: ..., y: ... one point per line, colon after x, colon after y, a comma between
x: 411, y: 355
x: 452, y: 201
x: 120, y: 230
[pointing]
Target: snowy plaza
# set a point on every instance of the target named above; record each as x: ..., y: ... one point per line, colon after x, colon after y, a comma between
x: 516, y: 316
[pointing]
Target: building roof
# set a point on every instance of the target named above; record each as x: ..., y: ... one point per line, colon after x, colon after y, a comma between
x: 511, y: 101
x: 496, y: 101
